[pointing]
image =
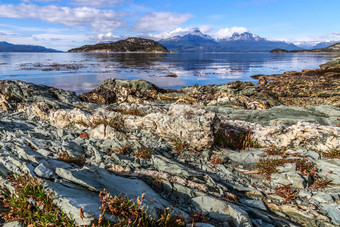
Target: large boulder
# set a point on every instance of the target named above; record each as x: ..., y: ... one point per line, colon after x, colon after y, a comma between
x: 195, y: 127
x: 14, y: 92
x: 119, y: 91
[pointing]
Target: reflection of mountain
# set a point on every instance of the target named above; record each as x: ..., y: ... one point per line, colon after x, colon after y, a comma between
x: 8, y: 47
x: 197, y: 41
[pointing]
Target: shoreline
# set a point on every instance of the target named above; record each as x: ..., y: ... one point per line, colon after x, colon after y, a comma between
x: 231, y: 154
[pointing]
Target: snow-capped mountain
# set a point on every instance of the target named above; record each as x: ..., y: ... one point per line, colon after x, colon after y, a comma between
x: 314, y: 44
x: 197, y: 41
x: 245, y: 36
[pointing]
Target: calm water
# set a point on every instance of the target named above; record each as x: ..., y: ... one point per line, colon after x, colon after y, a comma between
x: 82, y: 72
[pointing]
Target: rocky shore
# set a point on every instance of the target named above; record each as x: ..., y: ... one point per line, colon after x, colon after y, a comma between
x: 229, y: 155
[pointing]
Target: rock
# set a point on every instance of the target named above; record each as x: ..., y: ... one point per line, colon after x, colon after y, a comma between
x: 254, y: 203
x: 334, y: 212
x: 323, y: 197
x: 13, y: 224
x: 193, y: 126
x: 222, y: 211
x: 250, y: 156
x: 328, y: 169
x: 163, y: 164
x: 119, y: 91
x: 42, y: 171
x: 16, y: 91
x: 96, y: 179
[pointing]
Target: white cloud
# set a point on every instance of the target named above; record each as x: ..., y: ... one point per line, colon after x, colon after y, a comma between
x: 100, y: 20
x: 105, y: 37
x: 334, y: 36
x: 228, y: 32
x: 180, y: 32
x: 96, y: 3
x: 160, y: 21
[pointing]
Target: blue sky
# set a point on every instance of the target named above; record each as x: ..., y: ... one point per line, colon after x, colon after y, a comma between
x: 65, y: 24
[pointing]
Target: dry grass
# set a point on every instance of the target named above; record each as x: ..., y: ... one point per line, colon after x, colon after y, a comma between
x: 65, y: 157
x: 305, y: 167
x: 84, y: 135
x: 235, y: 141
x: 274, y: 151
x: 132, y: 111
x: 132, y: 213
x: 332, y: 154
x: 144, y: 153
x: 321, y: 183
x: 124, y: 150
x: 269, y: 166
x: 215, y: 160
x: 287, y: 193
x: 116, y: 123
x: 31, y: 205
x: 179, y: 146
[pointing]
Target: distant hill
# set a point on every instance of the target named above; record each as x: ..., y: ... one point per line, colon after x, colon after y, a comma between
x: 314, y: 45
x: 333, y: 48
x: 8, y: 47
x: 127, y: 45
x: 197, y: 41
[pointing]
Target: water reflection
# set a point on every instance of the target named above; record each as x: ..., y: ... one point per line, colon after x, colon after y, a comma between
x: 191, y: 68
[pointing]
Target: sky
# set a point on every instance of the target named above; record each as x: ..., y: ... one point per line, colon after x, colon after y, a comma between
x: 63, y: 24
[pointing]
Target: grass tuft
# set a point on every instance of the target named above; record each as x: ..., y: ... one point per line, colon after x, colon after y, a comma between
x: 235, y: 141
x: 31, y: 205
x: 132, y: 213
x: 144, y: 153
x: 179, y: 146
x: 65, y: 157
x: 332, y: 154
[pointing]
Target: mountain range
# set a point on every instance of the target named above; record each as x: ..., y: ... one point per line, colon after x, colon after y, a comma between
x: 197, y: 41
x: 246, y: 41
x: 8, y: 47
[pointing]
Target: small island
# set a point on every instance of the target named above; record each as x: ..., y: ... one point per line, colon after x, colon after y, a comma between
x: 132, y: 44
